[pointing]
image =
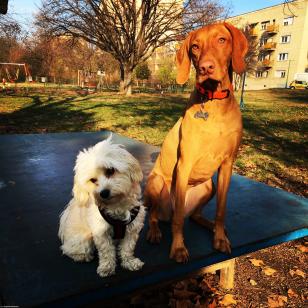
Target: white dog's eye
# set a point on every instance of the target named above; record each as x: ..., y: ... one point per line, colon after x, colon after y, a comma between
x: 109, y: 172
x: 93, y: 180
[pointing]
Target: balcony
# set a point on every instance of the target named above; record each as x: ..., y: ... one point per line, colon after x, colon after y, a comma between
x: 269, y: 46
x: 266, y: 64
x: 272, y: 29
x: 254, y: 32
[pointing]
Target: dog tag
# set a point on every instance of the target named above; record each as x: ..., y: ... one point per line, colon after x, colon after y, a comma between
x: 201, y: 115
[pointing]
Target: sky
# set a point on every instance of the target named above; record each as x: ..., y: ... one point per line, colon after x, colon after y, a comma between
x: 24, y: 9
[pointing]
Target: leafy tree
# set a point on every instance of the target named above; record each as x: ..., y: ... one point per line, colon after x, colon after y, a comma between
x: 10, y: 38
x: 166, y: 73
x: 142, y: 71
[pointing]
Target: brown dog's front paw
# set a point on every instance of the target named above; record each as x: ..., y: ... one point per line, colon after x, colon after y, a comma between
x: 179, y: 254
x: 154, y: 235
x: 222, y: 244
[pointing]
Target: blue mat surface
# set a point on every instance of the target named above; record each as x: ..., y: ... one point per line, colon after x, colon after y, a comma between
x: 36, y: 177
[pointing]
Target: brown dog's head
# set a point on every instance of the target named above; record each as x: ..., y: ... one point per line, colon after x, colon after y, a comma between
x: 212, y: 50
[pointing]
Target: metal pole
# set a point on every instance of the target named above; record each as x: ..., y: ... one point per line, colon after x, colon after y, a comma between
x: 286, y: 85
x: 242, y: 105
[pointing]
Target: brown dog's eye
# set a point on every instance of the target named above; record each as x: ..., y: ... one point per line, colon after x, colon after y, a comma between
x: 93, y: 180
x: 221, y: 40
x: 109, y: 171
x: 194, y: 47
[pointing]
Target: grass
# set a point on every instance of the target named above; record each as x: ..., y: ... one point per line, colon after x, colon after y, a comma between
x: 273, y: 151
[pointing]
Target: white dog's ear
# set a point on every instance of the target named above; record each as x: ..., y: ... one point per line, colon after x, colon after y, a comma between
x: 135, y: 171
x: 80, y: 194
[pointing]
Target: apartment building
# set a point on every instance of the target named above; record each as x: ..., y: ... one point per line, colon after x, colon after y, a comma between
x: 282, y: 35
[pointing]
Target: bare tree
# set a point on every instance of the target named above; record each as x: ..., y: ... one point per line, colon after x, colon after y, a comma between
x: 251, y: 57
x: 130, y: 30
x: 289, y: 6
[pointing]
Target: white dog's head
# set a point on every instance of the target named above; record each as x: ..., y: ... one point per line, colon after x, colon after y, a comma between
x: 107, y: 172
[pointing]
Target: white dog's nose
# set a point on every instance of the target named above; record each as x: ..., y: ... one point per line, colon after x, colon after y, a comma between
x: 105, y: 193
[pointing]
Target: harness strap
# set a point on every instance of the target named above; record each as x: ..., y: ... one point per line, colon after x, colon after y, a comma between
x: 119, y: 226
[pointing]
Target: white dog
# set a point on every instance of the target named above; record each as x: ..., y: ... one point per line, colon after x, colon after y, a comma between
x: 105, y: 209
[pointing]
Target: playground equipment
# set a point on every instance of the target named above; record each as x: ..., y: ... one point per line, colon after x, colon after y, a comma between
x: 91, y: 80
x: 11, y: 71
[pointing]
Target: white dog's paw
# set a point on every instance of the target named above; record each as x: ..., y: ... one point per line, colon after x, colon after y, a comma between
x: 106, y: 269
x: 82, y: 257
x: 132, y: 264
x: 79, y: 249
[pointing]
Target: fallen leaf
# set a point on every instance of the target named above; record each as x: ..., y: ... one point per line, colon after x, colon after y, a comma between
x: 302, y: 248
x: 300, y: 273
x: 206, y: 286
x: 256, y: 262
x: 291, y: 272
x: 253, y: 282
x: 302, y: 259
x: 276, y: 301
x: 297, y: 272
x: 228, y: 300
x: 268, y: 271
x: 212, y: 304
x: 291, y: 293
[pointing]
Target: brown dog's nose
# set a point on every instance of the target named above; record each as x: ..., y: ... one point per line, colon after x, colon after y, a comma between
x: 206, y: 67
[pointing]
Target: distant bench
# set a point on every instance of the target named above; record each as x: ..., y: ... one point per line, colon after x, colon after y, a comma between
x: 36, y: 177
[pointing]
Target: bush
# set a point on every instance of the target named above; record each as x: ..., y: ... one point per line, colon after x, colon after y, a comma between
x: 142, y: 71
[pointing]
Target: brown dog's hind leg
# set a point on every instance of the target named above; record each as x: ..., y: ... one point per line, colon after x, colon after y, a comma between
x: 155, y: 201
x: 197, y: 197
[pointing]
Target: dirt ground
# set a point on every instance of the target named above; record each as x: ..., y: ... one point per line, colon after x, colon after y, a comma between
x: 272, y: 277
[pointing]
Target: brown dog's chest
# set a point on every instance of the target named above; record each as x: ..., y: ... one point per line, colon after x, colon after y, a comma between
x: 210, y: 142
x: 205, y: 143
x: 210, y: 157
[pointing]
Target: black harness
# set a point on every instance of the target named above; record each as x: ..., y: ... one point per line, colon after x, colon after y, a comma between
x: 119, y: 226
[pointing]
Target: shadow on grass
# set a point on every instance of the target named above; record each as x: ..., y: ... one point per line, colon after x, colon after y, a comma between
x: 149, y: 112
x: 296, y: 96
x: 283, y: 151
x: 44, y: 116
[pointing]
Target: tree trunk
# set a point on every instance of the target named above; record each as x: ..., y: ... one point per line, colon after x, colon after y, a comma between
x: 126, y: 80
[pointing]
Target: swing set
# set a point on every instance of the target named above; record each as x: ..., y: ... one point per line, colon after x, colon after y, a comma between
x: 11, y: 71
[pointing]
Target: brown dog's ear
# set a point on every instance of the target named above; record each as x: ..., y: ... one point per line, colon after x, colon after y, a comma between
x: 183, y: 61
x: 239, y: 48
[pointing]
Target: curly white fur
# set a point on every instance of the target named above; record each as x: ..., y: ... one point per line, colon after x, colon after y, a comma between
x: 82, y: 227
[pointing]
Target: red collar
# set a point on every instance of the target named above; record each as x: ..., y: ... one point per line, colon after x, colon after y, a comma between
x: 210, y: 95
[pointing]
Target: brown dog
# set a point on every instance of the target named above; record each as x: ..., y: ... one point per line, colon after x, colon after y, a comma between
x: 205, y: 139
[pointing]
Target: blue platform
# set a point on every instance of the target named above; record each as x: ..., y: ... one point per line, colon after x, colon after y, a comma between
x: 36, y: 177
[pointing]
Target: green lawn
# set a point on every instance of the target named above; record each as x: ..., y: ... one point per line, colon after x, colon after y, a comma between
x: 274, y: 148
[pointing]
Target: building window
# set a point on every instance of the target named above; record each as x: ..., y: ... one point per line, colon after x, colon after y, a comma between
x: 283, y: 56
x: 264, y: 24
x: 280, y: 74
x: 261, y: 74
x: 262, y: 57
x: 263, y: 41
x: 285, y: 39
x: 288, y: 21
